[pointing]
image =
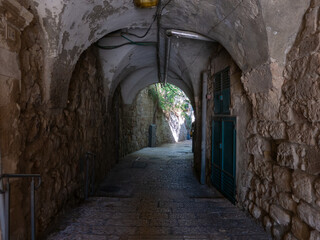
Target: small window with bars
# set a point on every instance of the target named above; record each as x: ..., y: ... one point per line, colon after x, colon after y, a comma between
x: 222, y: 92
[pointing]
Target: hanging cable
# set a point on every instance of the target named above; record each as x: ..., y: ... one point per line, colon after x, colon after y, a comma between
x: 159, y: 12
x: 153, y: 20
x: 148, y: 30
x: 130, y: 42
x: 124, y: 44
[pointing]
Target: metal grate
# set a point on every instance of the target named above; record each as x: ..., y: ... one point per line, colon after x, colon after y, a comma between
x: 225, y: 79
x: 217, y: 83
x: 222, y: 92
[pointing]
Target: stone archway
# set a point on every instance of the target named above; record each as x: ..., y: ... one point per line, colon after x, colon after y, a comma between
x: 258, y: 34
x: 265, y: 36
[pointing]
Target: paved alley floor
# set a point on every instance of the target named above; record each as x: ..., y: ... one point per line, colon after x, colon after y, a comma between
x: 153, y: 194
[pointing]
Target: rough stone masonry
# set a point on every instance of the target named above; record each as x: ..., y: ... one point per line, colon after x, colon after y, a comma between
x: 57, y: 92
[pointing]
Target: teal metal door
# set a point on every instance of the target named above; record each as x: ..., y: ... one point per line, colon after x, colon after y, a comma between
x: 223, y: 175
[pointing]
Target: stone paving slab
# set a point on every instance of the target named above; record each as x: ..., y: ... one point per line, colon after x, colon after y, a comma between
x: 163, y: 200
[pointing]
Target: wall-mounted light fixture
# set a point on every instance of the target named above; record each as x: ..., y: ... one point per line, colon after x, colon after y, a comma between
x: 145, y: 3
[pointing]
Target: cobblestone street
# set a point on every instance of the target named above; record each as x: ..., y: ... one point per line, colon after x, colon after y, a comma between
x: 153, y: 194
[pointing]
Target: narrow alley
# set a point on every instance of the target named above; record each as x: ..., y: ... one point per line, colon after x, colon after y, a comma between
x: 154, y: 194
x: 87, y: 85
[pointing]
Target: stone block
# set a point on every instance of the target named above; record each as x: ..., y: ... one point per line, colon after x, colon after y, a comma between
x: 311, y: 19
x: 315, y: 3
x: 307, y: 88
x: 278, y: 130
x: 290, y: 155
x: 262, y: 168
x: 267, y: 105
x: 309, y: 215
x: 286, y: 201
x: 263, y: 128
x: 255, y: 146
x: 302, y: 134
x: 255, y: 211
x: 282, y: 178
x: 265, y: 205
x: 278, y: 232
x: 314, y: 235
x: 252, y: 126
x: 279, y: 215
x: 286, y: 113
x: 317, y: 187
x: 300, y: 229
x: 311, y: 163
x: 314, y: 65
x: 309, y: 45
x: 289, y: 236
x: 9, y: 66
x: 267, y: 223
x: 312, y: 112
x: 302, y: 186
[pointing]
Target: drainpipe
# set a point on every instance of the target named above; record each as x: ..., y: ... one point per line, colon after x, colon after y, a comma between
x: 168, y: 50
x: 2, y: 210
x: 203, y: 128
x: 183, y: 34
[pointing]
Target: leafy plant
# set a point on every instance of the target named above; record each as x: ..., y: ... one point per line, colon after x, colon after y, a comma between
x: 171, y: 99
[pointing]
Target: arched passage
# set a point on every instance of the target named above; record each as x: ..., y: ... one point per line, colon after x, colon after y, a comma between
x: 56, y: 110
x: 166, y: 108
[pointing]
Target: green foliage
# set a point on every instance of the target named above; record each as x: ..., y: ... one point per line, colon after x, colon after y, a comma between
x: 171, y: 99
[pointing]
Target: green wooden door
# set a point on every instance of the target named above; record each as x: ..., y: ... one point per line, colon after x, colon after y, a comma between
x: 223, y: 174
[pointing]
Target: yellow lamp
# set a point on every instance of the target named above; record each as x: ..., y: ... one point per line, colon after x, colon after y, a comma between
x: 145, y: 3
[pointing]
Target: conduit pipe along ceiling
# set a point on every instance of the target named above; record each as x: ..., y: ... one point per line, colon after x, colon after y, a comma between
x: 182, y: 34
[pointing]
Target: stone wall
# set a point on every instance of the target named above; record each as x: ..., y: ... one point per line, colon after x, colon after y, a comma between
x: 53, y: 142
x: 284, y: 190
x: 135, y: 121
x: 13, y: 19
x: 239, y: 107
x: 279, y: 181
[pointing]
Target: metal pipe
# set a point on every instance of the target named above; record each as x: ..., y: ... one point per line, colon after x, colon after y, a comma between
x: 183, y: 34
x: 203, y: 127
x: 168, y: 50
x: 87, y: 177
x: 7, y: 207
x: 32, y: 202
x: 2, y: 204
x: 93, y: 175
x: 21, y: 176
x: 188, y: 34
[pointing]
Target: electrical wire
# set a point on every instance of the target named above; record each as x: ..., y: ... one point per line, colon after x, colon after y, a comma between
x: 159, y: 11
x: 166, y: 5
x: 228, y: 15
x: 156, y: 16
x: 148, y: 30
x: 130, y: 42
x: 153, y: 20
x: 124, y: 44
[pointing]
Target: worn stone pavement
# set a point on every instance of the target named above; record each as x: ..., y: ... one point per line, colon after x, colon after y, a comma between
x: 153, y: 194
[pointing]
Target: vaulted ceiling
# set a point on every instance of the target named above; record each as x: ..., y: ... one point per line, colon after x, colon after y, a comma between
x: 255, y: 32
